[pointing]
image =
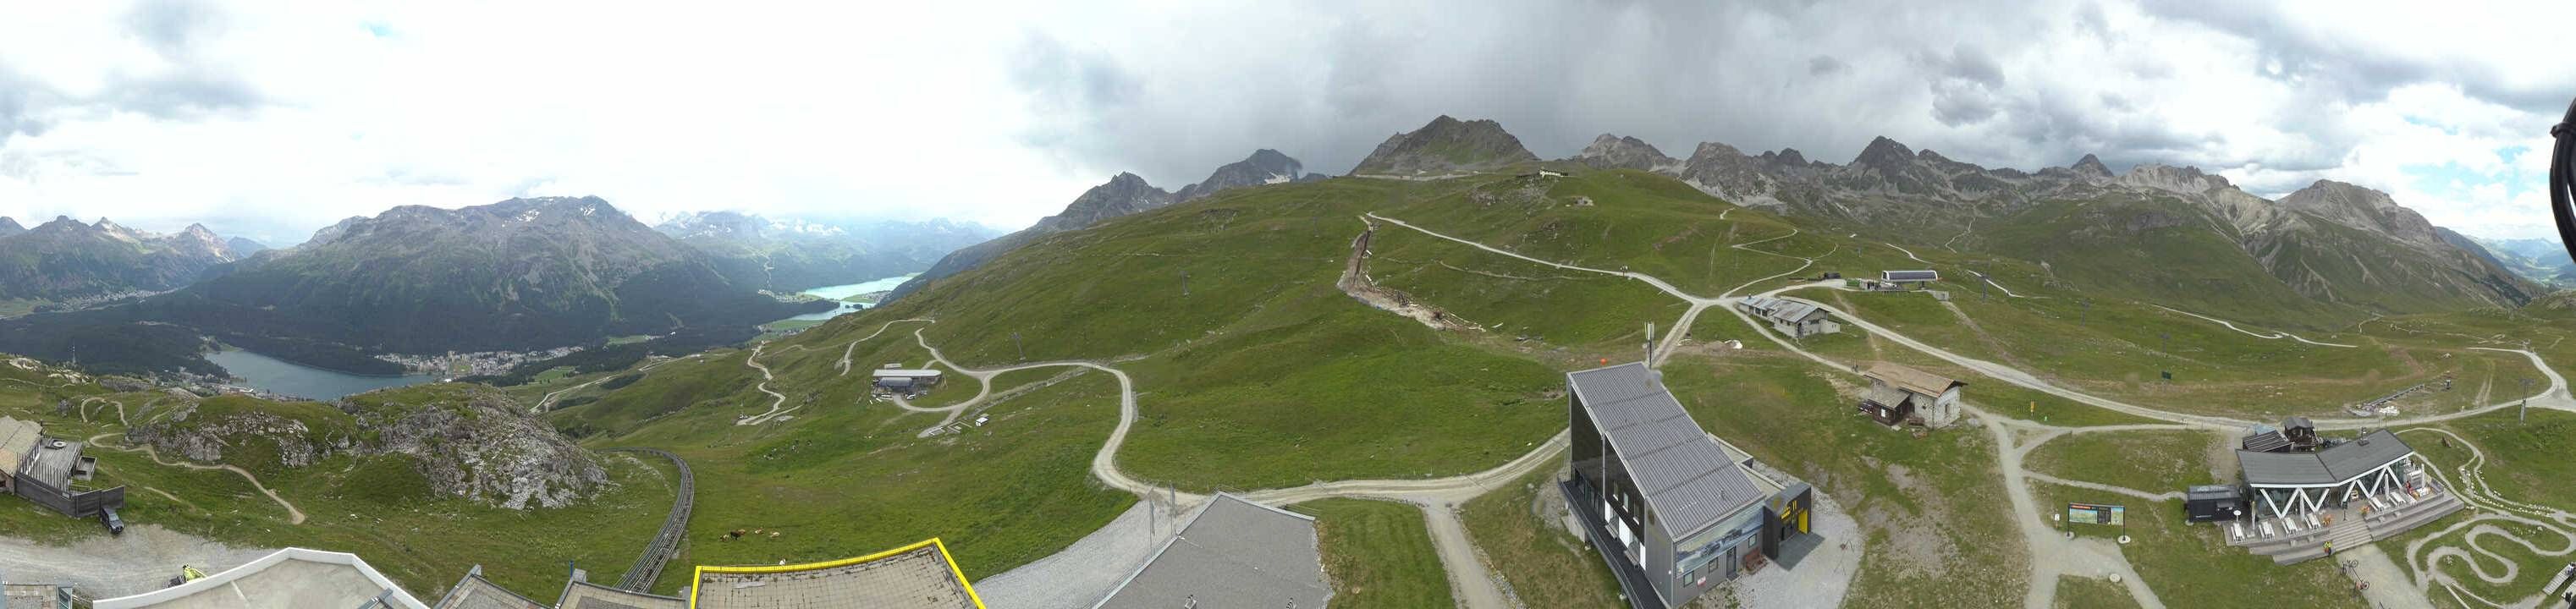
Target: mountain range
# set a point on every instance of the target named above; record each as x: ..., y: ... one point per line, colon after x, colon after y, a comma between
x: 66, y: 259
x: 516, y: 275
x: 792, y: 255
x: 2149, y: 231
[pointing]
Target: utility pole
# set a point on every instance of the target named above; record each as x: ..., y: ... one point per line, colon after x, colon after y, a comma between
x: 2525, y: 412
x: 1024, y: 349
x: 1650, y: 344
x: 1185, y: 283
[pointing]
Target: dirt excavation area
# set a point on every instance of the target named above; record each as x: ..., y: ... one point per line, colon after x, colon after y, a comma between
x: 142, y: 560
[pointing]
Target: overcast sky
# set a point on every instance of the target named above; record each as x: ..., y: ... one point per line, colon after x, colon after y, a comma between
x: 272, y: 119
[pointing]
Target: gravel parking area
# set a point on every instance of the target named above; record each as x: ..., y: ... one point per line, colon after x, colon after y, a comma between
x: 1818, y: 580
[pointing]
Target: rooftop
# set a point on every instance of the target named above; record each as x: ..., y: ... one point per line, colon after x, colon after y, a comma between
x: 1233, y: 553
x: 1909, y: 379
x: 52, y: 466
x: 474, y: 592
x: 918, y: 576
x: 889, y: 372
x: 1687, y: 477
x: 586, y: 595
x: 293, y: 578
x: 2336, y: 465
x: 17, y: 439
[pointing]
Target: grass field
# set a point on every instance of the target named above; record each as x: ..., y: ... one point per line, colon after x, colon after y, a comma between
x: 2090, y: 593
x: 2153, y: 461
x: 1378, y: 554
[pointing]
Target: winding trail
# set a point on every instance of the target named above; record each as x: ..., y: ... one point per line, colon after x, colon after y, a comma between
x: 2492, y: 516
x: 846, y: 349
x: 2271, y: 336
x: 549, y: 398
x: 777, y: 399
x: 293, y: 516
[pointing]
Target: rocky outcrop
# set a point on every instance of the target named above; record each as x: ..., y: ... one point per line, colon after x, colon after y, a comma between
x: 473, y: 442
x: 1445, y: 146
x: 464, y: 441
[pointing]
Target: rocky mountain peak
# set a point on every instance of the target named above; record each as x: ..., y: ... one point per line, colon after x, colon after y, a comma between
x: 2362, y: 208
x: 2091, y: 167
x: 1446, y: 145
x: 1884, y: 154
x: 1790, y: 156
x: 199, y: 231
x: 1620, y: 152
x: 10, y: 227
x: 1123, y: 194
x: 1265, y: 166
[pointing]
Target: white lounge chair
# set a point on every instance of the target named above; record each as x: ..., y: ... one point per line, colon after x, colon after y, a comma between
x: 2375, y: 503
x: 2290, y: 525
x: 2312, y: 521
x: 2235, y: 531
x: 2266, y: 527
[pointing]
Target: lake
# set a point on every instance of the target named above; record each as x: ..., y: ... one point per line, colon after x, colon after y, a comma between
x: 283, y: 377
x: 837, y: 292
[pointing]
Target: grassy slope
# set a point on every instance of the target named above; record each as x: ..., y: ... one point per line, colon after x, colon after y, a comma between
x: 1378, y: 554
x: 1545, y: 565
x: 2156, y: 461
x: 2089, y: 593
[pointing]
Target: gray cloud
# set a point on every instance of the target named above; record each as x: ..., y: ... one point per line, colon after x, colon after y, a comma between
x: 2356, y: 68
x: 173, y: 27
x: 1826, y: 65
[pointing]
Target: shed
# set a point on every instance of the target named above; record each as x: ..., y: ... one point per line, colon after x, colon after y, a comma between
x: 1900, y: 393
x: 2213, y: 503
x: 1922, y: 276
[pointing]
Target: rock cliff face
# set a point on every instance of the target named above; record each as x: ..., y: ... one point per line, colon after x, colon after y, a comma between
x: 1265, y: 166
x: 463, y: 441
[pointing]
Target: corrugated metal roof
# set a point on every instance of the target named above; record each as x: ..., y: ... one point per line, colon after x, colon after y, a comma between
x: 2330, y: 466
x: 1909, y: 275
x: 1685, y: 476
x: 2265, y: 441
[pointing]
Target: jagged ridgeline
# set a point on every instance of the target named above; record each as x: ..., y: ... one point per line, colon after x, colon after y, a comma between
x: 65, y: 259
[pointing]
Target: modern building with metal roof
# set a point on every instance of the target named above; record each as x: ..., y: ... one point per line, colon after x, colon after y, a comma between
x: 1233, y: 553
x: 1666, y: 504
x: 2376, y: 463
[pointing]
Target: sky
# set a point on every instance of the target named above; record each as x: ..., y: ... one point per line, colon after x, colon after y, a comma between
x: 272, y: 119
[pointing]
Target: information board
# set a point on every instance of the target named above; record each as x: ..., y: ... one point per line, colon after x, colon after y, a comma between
x: 2096, y: 513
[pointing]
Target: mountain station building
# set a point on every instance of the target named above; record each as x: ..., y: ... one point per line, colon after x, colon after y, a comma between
x: 1669, y: 507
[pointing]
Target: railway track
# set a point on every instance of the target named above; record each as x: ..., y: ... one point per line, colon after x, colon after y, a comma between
x: 648, y: 567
